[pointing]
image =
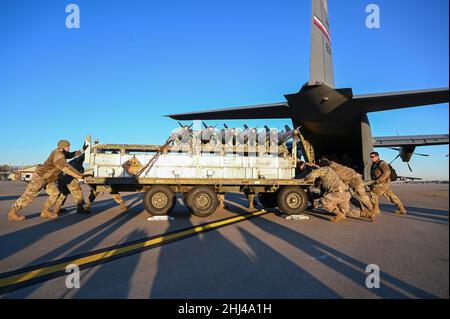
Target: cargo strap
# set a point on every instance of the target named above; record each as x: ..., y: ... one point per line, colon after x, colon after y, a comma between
x: 154, y: 158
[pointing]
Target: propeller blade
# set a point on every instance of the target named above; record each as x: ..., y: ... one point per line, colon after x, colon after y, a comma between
x: 409, y: 166
x: 394, y: 148
x: 395, y: 159
x: 204, y: 124
x: 421, y: 154
x: 179, y: 123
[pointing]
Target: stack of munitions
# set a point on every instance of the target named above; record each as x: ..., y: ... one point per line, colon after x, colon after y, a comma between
x: 246, y: 140
x: 205, y: 153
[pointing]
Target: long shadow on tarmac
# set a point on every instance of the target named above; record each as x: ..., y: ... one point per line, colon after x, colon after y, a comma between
x: 425, y: 214
x: 204, y: 267
x: 89, y: 241
x: 18, y: 240
x: 337, y: 261
x: 105, y: 274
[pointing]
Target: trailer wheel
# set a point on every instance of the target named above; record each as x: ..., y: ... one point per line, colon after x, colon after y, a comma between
x: 202, y: 201
x: 268, y: 200
x: 159, y: 200
x: 292, y: 200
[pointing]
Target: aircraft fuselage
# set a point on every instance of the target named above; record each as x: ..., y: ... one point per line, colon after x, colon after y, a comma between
x: 332, y: 125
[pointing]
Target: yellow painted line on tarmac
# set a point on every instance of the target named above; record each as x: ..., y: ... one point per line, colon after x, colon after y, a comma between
x: 20, y: 277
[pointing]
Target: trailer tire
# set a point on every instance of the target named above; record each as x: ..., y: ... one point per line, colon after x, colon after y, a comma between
x: 202, y: 201
x: 268, y: 200
x: 292, y: 200
x: 159, y: 200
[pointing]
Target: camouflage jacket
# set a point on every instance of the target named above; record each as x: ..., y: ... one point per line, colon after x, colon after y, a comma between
x: 346, y: 174
x: 53, y: 166
x: 380, y: 172
x: 330, y: 180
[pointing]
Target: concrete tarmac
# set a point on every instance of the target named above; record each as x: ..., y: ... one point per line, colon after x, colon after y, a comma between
x: 262, y: 257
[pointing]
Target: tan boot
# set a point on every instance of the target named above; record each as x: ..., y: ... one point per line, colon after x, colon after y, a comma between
x: 45, y: 213
x: 354, y: 213
x: 251, y: 201
x: 56, y: 211
x: 338, y: 218
x: 14, y: 217
x: 401, y: 210
x: 123, y: 207
x: 376, y: 211
x: 365, y: 213
x: 222, y: 202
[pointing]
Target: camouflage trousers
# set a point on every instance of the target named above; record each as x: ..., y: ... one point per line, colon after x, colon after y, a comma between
x: 384, y: 189
x: 337, y: 202
x: 357, y: 185
x: 32, y: 191
x: 74, y: 188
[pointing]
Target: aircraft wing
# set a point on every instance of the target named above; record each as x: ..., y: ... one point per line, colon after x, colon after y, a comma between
x: 409, y: 178
x: 263, y: 111
x: 415, y: 140
x: 397, y: 100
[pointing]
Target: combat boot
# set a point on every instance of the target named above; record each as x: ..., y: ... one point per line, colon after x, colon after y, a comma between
x: 339, y: 216
x: 367, y: 213
x: 376, y: 211
x: 221, y: 202
x: 123, y: 207
x: 14, y: 217
x: 401, y: 210
x: 82, y: 210
x: 354, y: 213
x: 56, y: 211
x: 45, y: 213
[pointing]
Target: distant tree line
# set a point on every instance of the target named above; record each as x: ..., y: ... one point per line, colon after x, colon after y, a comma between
x: 6, y: 168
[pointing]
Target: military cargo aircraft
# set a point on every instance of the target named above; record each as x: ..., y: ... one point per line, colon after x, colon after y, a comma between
x: 333, y: 121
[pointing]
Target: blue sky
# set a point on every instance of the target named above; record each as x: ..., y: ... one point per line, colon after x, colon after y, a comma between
x: 132, y: 62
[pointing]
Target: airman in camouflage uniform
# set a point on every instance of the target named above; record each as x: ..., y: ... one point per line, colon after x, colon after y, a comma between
x: 336, y: 197
x: 353, y: 180
x: 313, y: 192
x: 73, y: 187
x: 380, y: 173
x: 68, y: 184
x: 45, y: 177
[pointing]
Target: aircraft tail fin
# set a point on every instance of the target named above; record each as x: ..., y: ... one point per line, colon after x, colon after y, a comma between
x: 321, y: 60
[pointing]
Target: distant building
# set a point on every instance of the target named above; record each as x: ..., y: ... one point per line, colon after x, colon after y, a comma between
x: 25, y: 174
